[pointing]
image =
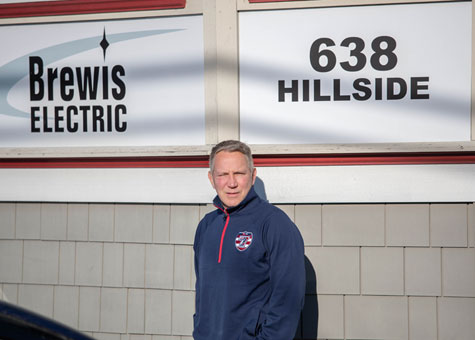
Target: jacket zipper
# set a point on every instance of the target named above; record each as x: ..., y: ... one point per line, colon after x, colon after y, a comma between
x: 222, y: 234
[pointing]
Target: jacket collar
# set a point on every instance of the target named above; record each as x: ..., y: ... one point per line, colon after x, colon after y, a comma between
x: 251, y: 196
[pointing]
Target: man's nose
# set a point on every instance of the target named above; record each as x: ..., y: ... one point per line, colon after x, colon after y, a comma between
x: 232, y: 181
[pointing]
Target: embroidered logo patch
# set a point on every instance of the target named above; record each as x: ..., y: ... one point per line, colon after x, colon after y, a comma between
x: 243, y: 240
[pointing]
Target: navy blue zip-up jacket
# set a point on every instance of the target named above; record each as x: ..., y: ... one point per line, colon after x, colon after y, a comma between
x: 250, y: 273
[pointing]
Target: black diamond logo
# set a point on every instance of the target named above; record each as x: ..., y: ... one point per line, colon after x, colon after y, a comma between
x: 104, y: 43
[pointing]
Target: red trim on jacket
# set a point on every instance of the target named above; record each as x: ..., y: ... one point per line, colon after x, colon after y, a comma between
x: 222, y: 233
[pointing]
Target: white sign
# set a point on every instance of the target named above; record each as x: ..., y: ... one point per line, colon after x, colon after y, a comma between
x: 366, y: 74
x: 108, y: 83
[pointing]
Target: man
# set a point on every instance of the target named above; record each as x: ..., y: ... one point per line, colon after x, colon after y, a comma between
x: 249, y: 258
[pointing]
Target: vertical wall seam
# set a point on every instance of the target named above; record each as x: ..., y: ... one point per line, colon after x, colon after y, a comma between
x: 59, y: 262
x: 360, y: 271
x: 174, y: 264
x: 100, y: 308
x: 430, y: 225
x: 441, y: 257
x: 192, y: 259
x: 54, y: 294
x: 344, y: 316
x: 437, y: 300
x: 169, y: 223
x: 75, y: 263
x: 79, y: 305
x: 114, y: 210
x: 127, y: 310
x: 22, y: 260
x: 123, y: 263
x: 144, y: 311
x: 385, y: 225
x: 467, y: 210
x: 321, y: 225
x: 88, y: 220
x: 408, y: 318
x: 153, y: 223
x: 15, y: 222
x: 41, y: 221
x: 102, y: 265
x: 67, y: 221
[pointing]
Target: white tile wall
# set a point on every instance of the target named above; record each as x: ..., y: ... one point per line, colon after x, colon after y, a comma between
x: 458, y: 272
x: 471, y: 225
x: 422, y: 318
x: 182, y: 320
x: 161, y: 224
x: 337, y: 269
x: 182, y: 268
x: 9, y: 293
x: 331, y: 318
x: 113, y: 310
x: 38, y: 298
x: 7, y: 220
x: 107, y: 336
x: 134, y: 265
x: 89, y: 263
x: 67, y: 262
x: 78, y: 222
x: 113, y: 265
x: 448, y: 227
x: 101, y: 222
x: 353, y: 225
x: 41, y: 262
x: 11, y: 261
x: 66, y: 305
x: 183, y: 222
x: 159, y: 266
x: 89, y: 308
x: 136, y: 311
x: 133, y: 223
x: 376, y: 317
x: 54, y: 219
x: 456, y: 318
x: 28, y: 221
x: 308, y: 219
x: 158, y: 311
x: 378, y: 276
x: 382, y: 271
x: 407, y: 225
x: 423, y: 271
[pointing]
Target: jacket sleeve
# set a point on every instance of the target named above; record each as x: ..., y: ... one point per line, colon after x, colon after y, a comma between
x: 196, y: 244
x: 287, y: 275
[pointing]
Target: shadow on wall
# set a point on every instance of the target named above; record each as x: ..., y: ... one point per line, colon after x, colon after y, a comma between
x: 308, y: 324
x: 309, y: 318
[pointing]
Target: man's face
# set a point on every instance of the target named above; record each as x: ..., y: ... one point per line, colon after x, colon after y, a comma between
x: 231, y: 178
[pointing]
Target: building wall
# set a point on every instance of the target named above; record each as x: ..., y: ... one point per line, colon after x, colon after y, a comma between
x: 125, y: 271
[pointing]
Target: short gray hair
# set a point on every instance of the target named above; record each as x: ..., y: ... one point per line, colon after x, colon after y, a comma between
x: 231, y: 146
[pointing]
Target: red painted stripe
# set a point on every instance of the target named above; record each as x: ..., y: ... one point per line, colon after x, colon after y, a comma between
x: 258, y: 1
x: 222, y: 235
x: 259, y: 160
x: 68, y: 7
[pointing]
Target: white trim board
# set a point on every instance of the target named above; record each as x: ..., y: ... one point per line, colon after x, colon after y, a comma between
x: 320, y: 184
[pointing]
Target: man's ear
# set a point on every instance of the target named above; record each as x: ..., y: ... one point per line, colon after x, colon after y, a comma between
x: 254, y: 174
x: 210, y: 177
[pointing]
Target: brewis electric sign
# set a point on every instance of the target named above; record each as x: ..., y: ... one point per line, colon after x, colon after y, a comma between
x: 366, y: 74
x: 111, y: 83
